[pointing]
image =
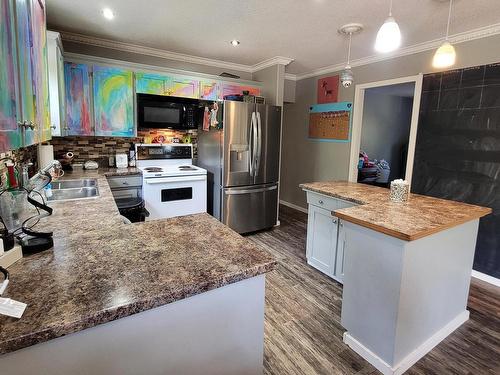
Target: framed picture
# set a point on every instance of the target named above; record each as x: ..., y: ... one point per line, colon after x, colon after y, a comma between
x: 328, y: 89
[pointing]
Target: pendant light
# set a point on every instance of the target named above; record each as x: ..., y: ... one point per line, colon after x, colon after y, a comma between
x: 346, y: 76
x: 445, y: 55
x: 389, y: 35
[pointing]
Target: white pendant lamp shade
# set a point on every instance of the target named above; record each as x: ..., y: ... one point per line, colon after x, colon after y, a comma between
x: 388, y: 36
x: 445, y: 56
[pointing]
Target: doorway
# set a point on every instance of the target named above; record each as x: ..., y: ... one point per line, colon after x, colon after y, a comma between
x: 384, y: 130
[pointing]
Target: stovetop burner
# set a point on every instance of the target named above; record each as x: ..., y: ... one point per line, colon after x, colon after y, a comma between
x: 187, y: 168
x: 153, y: 169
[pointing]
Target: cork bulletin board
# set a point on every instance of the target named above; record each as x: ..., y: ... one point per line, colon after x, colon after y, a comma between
x: 330, y: 122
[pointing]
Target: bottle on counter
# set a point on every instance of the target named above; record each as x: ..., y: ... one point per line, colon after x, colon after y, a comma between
x: 131, y: 158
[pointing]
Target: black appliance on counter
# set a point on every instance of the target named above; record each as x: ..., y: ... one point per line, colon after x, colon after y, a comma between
x: 167, y: 112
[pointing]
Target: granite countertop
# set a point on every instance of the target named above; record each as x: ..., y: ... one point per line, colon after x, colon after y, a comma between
x: 419, y: 217
x: 101, y: 269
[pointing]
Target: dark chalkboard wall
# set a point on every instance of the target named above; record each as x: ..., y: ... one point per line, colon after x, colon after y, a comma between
x: 457, y: 154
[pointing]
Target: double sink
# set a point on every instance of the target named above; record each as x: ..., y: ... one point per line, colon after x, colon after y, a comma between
x: 74, y: 189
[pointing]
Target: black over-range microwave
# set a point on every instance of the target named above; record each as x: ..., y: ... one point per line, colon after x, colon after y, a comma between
x: 167, y: 112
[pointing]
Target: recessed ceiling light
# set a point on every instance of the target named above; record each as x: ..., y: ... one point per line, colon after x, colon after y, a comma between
x: 108, y: 13
x: 235, y: 43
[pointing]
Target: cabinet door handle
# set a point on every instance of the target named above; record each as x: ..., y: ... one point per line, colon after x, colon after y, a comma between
x: 341, y: 223
x: 320, y: 201
x: 334, y: 220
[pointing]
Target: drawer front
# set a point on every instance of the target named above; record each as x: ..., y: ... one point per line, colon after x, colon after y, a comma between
x: 327, y: 203
x: 118, y: 182
x: 127, y: 193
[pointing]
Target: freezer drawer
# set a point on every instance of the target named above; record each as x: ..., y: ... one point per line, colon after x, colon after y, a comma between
x: 250, y: 208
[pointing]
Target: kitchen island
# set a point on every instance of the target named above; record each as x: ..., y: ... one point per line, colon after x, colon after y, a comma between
x: 166, y: 296
x: 406, y: 267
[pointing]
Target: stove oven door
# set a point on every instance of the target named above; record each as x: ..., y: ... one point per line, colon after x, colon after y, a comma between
x: 175, y: 196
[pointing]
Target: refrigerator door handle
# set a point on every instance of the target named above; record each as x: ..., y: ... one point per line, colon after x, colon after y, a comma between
x: 253, y: 142
x: 248, y: 191
x: 258, y: 154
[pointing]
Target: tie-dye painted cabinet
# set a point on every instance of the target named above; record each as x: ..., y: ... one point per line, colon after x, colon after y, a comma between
x: 185, y: 87
x: 77, y: 93
x: 40, y: 71
x: 24, y: 102
x: 9, y: 109
x: 160, y: 84
x: 113, y: 102
x: 152, y: 83
x: 209, y: 90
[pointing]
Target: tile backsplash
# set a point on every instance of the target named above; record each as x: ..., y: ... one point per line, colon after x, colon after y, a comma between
x: 93, y: 148
x: 100, y: 148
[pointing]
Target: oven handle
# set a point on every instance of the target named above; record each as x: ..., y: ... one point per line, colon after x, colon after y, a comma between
x: 174, y: 179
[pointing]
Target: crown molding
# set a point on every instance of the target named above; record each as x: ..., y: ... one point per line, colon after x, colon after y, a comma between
x: 482, y: 32
x: 276, y: 60
x: 169, y: 55
x: 138, y: 67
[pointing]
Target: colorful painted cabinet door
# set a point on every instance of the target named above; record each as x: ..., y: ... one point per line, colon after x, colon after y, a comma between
x: 235, y: 89
x: 25, y: 66
x: 209, y: 90
x: 40, y: 70
x: 77, y: 93
x: 9, y: 132
x: 186, y: 88
x: 150, y: 83
x: 113, y: 102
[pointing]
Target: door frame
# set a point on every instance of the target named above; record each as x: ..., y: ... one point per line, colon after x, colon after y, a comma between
x: 357, y: 122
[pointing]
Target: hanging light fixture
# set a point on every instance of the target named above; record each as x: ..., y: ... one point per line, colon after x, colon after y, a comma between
x: 445, y: 55
x: 346, y: 76
x: 389, y: 35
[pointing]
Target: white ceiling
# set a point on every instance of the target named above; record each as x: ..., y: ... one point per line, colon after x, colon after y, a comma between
x: 304, y: 30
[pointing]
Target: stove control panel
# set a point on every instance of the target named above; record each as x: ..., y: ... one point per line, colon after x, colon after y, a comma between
x: 164, y: 151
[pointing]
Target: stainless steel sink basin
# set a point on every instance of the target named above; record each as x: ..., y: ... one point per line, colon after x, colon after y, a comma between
x: 71, y: 184
x: 75, y: 193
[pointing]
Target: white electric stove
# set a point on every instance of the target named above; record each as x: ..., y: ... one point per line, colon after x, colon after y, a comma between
x: 172, y: 185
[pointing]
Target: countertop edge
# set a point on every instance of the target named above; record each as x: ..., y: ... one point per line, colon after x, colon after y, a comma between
x: 403, y: 236
x: 391, y: 232
x: 126, y: 310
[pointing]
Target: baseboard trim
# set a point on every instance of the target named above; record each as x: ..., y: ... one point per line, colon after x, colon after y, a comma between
x: 414, y: 356
x: 294, y: 206
x: 487, y: 278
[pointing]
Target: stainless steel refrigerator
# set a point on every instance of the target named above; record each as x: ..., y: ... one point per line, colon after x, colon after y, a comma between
x: 242, y: 161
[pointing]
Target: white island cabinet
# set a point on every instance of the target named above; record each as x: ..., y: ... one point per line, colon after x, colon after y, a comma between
x: 407, y: 267
x: 325, y: 234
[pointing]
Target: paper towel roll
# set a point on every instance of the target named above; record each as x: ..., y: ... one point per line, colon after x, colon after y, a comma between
x: 45, y: 155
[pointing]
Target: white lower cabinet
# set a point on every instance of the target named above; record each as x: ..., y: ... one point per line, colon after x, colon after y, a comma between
x: 326, y: 242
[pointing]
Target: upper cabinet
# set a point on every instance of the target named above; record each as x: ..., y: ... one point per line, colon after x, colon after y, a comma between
x: 56, y: 84
x: 113, y: 102
x: 159, y: 84
x: 24, y: 99
x: 77, y: 94
x: 9, y: 110
x: 209, y: 90
x: 186, y: 88
x: 151, y: 83
x: 40, y: 70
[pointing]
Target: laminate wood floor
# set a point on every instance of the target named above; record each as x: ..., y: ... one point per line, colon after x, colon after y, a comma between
x: 303, y: 334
